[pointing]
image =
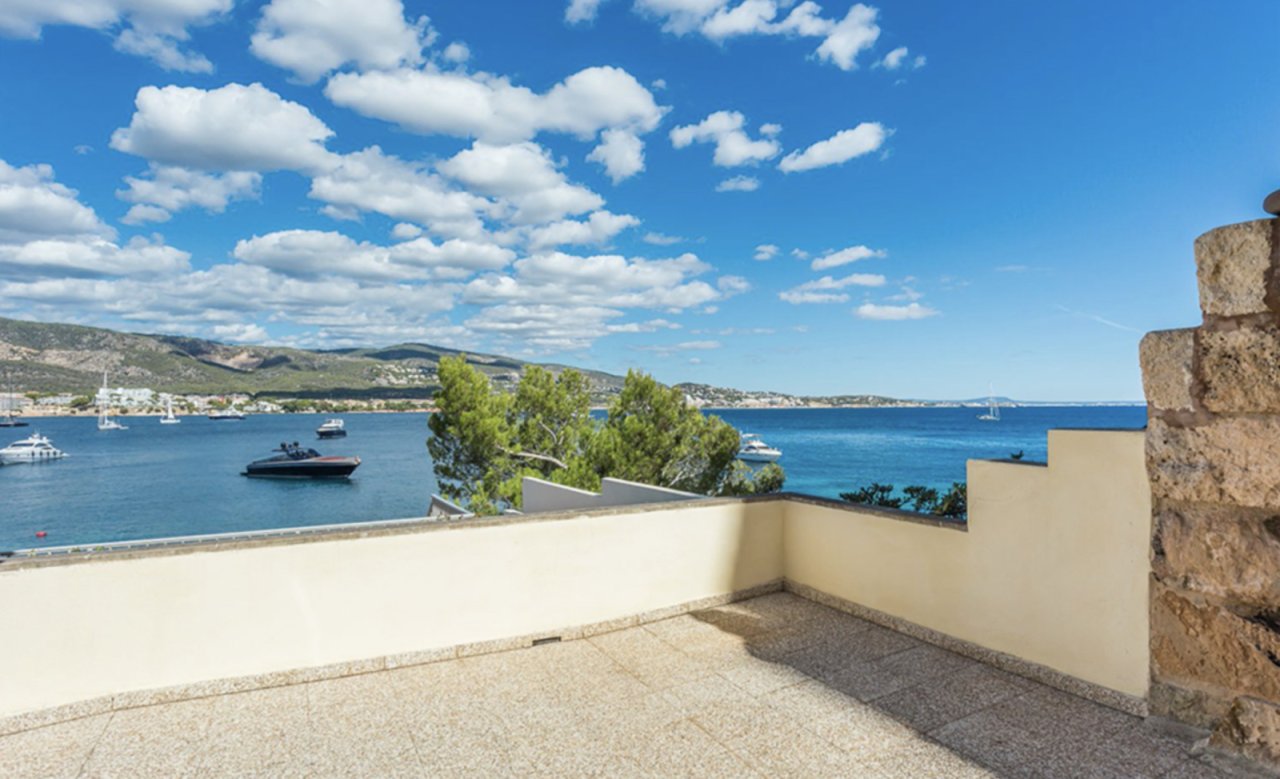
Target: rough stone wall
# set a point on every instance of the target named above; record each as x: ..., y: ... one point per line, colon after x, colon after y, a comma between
x: 1213, y: 455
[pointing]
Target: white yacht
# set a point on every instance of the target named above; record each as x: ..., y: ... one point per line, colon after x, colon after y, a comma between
x: 105, y: 422
x: 755, y: 450
x: 169, y: 418
x: 332, y: 428
x: 36, y: 449
x: 228, y: 414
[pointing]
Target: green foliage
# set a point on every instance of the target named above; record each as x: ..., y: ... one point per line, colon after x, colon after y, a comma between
x: 81, y: 401
x: 874, y: 494
x: 485, y: 440
x: 925, y: 500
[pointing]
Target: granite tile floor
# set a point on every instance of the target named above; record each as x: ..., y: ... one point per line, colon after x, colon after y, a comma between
x: 773, y: 686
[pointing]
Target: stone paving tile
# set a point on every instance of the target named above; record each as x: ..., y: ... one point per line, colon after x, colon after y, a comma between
x: 940, y: 701
x: 898, y: 671
x: 164, y: 740
x: 54, y: 751
x: 1027, y: 735
x: 1191, y: 768
x: 258, y: 733
x: 748, y: 689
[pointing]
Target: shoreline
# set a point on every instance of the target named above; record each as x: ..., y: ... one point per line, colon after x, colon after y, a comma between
x: 156, y: 414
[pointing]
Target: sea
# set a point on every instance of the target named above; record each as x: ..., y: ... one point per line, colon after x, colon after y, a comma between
x: 157, y: 481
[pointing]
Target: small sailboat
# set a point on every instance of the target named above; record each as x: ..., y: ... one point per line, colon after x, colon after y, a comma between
x: 169, y: 418
x: 7, y: 419
x: 105, y: 422
x: 993, y: 408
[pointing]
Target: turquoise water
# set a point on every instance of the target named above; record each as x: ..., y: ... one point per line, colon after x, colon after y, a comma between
x: 156, y: 480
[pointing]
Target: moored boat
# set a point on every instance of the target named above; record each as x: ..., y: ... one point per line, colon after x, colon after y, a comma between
x: 35, y: 449
x: 754, y: 450
x: 229, y: 414
x: 292, y: 461
x: 332, y: 428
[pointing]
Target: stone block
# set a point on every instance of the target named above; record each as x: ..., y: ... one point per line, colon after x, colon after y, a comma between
x: 1232, y: 265
x: 1252, y: 728
x: 1233, y: 460
x: 1230, y: 553
x: 1166, y: 357
x: 1240, y: 370
x: 1197, y: 708
x: 1206, y: 646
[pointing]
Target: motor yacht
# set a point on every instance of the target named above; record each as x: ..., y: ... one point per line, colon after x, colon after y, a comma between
x: 36, y: 449
x: 332, y: 428
x: 756, y: 451
x: 293, y: 461
x: 229, y: 414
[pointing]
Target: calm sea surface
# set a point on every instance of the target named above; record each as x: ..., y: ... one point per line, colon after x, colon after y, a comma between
x: 156, y: 480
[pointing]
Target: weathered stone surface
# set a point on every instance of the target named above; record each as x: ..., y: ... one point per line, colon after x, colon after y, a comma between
x: 1166, y: 357
x: 1193, y: 707
x: 1228, y: 552
x: 1234, y: 460
x: 1231, y: 265
x: 1252, y: 727
x: 1208, y: 646
x: 1240, y: 370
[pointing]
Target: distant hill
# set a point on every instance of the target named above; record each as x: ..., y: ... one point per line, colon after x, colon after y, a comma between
x: 71, y: 358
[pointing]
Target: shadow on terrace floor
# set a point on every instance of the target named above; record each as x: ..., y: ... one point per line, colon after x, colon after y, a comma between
x: 774, y: 686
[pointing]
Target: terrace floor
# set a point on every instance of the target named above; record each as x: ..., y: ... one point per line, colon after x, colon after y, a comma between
x: 773, y: 686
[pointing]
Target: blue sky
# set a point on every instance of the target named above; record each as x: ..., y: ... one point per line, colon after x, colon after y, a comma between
x: 913, y: 199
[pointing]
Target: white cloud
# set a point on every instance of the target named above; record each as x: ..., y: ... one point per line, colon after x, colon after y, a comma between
x: 57, y: 257
x: 621, y: 153
x: 770, y: 129
x: 313, y: 38
x: 600, y: 280
x: 525, y: 177
x: 732, y: 285
x: 149, y: 28
x: 841, y: 147
x: 313, y: 253
x: 739, y: 184
x: 721, y: 20
x: 850, y: 37
x: 581, y: 11
x: 835, y: 259
x: 893, y: 60
x: 33, y: 205
x: 492, y: 109
x: 651, y: 326
x: 733, y: 146
x: 893, y: 313
x: 800, y: 254
x: 898, y: 59
x: 544, y: 326
x: 658, y: 239
x: 169, y: 189
x: 597, y: 229
x: 765, y: 251
x: 235, y: 127
x: 456, y: 52
x: 826, y: 289
x: 404, y: 231
x: 371, y: 180
x: 683, y: 346
x: 240, y: 332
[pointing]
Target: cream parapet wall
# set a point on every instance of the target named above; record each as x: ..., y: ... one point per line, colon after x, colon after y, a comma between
x: 1053, y: 570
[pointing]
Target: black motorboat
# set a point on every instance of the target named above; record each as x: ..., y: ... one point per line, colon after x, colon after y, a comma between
x: 332, y: 428
x: 9, y: 420
x: 292, y: 461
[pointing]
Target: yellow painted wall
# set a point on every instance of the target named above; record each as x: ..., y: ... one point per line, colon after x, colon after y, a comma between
x: 1053, y: 569
x: 78, y: 631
